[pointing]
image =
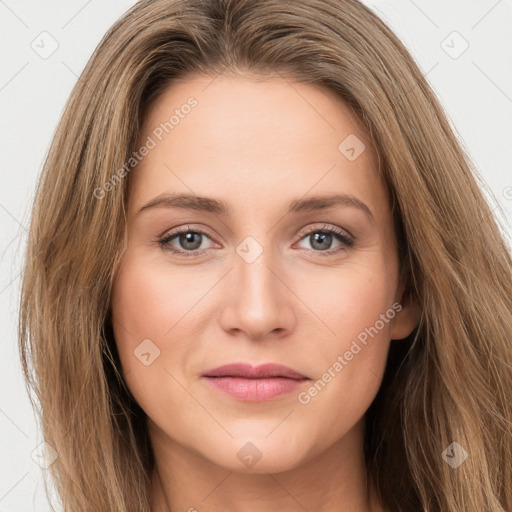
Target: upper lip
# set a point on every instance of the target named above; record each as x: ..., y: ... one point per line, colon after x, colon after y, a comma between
x: 248, y: 371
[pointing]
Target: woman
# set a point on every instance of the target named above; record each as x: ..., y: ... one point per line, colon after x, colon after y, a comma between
x: 368, y: 370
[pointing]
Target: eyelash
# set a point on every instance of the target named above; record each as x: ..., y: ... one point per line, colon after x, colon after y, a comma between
x: 346, y: 241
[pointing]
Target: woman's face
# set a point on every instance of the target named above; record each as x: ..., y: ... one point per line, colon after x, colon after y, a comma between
x: 262, y: 279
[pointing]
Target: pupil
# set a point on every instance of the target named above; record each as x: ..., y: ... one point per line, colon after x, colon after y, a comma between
x: 321, y: 237
x: 186, y: 239
x: 318, y: 240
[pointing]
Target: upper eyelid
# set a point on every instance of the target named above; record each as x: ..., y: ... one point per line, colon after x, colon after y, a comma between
x: 303, y: 232
x: 327, y: 227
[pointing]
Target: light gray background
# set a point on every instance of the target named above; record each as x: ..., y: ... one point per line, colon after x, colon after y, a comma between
x: 475, y: 89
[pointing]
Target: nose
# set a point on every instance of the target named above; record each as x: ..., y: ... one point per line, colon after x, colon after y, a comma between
x: 259, y: 301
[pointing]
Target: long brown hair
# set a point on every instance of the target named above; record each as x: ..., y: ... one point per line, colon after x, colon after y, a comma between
x: 451, y: 381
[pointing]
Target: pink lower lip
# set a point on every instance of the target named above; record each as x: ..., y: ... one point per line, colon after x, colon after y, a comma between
x: 255, y: 390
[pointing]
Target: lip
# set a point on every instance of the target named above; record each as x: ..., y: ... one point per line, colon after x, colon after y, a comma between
x: 255, y: 383
x: 248, y: 371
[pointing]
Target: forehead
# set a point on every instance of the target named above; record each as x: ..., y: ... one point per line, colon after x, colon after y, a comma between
x: 245, y: 137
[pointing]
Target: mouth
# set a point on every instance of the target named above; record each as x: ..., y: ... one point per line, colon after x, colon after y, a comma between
x: 255, y: 384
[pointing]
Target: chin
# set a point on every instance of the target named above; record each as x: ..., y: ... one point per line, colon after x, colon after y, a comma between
x: 259, y: 455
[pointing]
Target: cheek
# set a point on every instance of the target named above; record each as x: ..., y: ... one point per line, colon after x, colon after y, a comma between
x: 354, y: 307
x: 148, y: 301
x: 148, y: 304
x: 140, y: 302
x: 348, y: 300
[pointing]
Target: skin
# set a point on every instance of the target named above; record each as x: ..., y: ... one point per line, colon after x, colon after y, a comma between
x: 257, y: 144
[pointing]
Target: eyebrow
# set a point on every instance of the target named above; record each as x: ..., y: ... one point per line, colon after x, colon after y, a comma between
x: 206, y: 204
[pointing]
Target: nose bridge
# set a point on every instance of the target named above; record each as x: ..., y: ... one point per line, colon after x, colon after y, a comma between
x: 258, y: 300
x: 256, y: 281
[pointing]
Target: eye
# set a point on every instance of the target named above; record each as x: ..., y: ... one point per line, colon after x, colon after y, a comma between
x: 190, y: 240
x: 321, y: 239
